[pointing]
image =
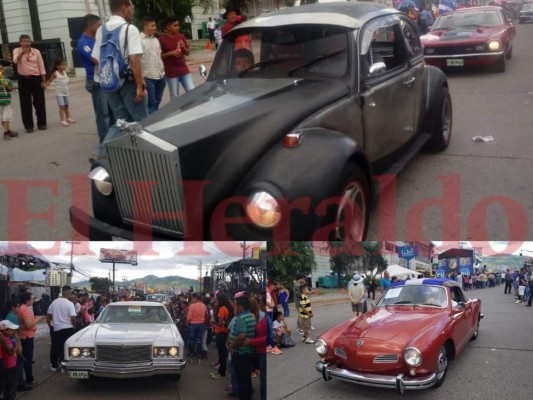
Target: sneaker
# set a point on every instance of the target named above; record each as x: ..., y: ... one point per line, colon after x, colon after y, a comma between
x: 63, y: 124
x: 43, y: 128
x: 269, y: 349
x: 300, y: 331
x: 11, y: 133
x: 218, y: 376
x: 309, y: 341
x: 215, y: 365
x: 53, y: 369
x: 29, y: 130
x: 312, y: 328
x: 275, y: 350
x: 71, y: 120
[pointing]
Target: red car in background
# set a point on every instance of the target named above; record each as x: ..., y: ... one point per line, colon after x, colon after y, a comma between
x: 406, y: 341
x: 476, y: 36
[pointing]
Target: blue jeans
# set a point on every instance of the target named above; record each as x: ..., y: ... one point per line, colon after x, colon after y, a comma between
x: 104, y: 116
x: 286, y: 311
x: 196, y: 332
x: 173, y: 85
x: 27, y: 351
x: 155, y: 88
x: 123, y: 107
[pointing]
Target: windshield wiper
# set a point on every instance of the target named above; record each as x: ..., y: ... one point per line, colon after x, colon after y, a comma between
x: 262, y: 64
x: 315, y: 61
x: 402, y: 302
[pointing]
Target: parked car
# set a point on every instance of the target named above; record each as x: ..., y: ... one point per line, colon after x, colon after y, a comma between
x: 129, y: 339
x: 406, y: 341
x: 475, y: 36
x: 526, y: 14
x: 284, y: 138
x: 160, y: 297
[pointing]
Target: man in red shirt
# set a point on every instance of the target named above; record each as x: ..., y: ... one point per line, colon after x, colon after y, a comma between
x: 174, y: 48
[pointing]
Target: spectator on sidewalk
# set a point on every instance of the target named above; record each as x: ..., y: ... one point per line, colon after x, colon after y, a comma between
x: 6, y: 112
x: 259, y: 343
x: 174, y: 48
x: 218, y: 36
x: 305, y: 313
x: 128, y: 102
x: 152, y: 66
x: 62, y: 81
x: 63, y: 316
x: 31, y: 83
x: 28, y: 327
x: 13, y: 309
x: 211, y: 30
x: 9, y: 359
x: 356, y: 291
x: 223, y: 315
x: 196, y: 320
x: 102, y: 111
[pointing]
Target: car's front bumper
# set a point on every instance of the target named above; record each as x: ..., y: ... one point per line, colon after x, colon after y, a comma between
x: 469, y: 60
x: 399, y: 382
x: 124, y: 371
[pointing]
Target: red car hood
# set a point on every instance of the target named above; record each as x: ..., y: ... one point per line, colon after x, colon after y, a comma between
x: 394, y: 323
x: 462, y: 35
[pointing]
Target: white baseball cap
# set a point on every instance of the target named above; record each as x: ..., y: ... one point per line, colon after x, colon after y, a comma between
x: 6, y: 324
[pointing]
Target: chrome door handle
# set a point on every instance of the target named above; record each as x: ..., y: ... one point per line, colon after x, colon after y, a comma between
x: 409, y: 81
x: 372, y: 104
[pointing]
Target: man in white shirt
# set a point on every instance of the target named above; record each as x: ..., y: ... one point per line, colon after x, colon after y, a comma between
x: 128, y: 102
x: 211, y: 30
x: 62, y: 315
x: 152, y: 67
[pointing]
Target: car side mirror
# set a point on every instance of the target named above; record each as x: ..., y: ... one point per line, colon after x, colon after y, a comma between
x: 460, y: 306
x: 202, y: 70
x: 376, y: 69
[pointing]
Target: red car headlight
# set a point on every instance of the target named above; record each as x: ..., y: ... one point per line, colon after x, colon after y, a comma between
x: 321, y: 347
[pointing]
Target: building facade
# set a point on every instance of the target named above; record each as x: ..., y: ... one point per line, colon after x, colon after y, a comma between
x: 59, y: 277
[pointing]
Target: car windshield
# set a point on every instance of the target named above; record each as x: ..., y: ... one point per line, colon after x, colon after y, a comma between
x: 528, y: 7
x: 285, y: 51
x: 423, y: 295
x: 156, y: 297
x: 468, y: 20
x: 134, y: 314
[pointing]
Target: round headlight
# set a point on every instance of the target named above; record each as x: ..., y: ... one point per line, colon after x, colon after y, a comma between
x: 494, y: 45
x: 102, y: 180
x: 173, y: 351
x: 321, y: 347
x: 86, y: 352
x: 412, y: 356
x: 263, y: 210
x: 162, y: 352
x: 75, y: 352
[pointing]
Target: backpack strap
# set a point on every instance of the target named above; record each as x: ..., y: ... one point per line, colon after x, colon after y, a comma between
x: 126, y: 59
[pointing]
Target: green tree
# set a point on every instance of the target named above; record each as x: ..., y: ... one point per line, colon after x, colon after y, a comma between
x: 372, y: 259
x: 286, y: 260
x: 344, y: 256
x: 100, y: 285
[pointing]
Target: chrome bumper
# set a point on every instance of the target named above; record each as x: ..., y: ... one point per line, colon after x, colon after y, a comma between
x: 399, y: 382
x: 472, y: 55
x: 124, y: 371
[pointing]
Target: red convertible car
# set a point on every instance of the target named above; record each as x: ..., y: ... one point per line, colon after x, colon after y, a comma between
x: 476, y: 36
x: 406, y: 341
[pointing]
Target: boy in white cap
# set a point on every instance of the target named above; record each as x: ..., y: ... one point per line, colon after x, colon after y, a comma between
x: 9, y: 358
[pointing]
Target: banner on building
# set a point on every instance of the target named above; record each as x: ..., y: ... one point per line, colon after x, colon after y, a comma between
x: 407, y: 252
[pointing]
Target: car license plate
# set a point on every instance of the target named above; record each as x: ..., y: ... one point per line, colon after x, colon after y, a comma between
x: 78, y: 374
x: 455, y: 62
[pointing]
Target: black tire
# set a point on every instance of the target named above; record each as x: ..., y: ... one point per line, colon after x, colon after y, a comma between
x: 442, y: 367
x: 442, y: 118
x: 509, y: 54
x: 501, y: 64
x: 476, y: 332
x: 354, y: 188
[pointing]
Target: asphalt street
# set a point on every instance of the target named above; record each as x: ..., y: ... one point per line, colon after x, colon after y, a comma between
x: 496, y: 366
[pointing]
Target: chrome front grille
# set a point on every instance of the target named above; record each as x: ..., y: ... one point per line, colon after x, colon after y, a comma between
x: 149, y: 167
x: 340, y: 352
x: 124, y: 354
x: 386, y: 358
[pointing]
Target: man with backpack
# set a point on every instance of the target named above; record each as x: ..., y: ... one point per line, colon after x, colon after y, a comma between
x: 118, y: 51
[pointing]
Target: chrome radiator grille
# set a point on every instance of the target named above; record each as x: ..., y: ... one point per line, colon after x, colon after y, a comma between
x: 155, y: 171
x: 386, y: 358
x: 124, y: 354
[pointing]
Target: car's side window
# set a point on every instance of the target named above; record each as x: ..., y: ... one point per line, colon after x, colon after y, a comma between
x: 412, y: 41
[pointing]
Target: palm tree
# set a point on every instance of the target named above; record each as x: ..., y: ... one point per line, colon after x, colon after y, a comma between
x: 344, y: 256
x: 159, y: 9
x: 286, y: 260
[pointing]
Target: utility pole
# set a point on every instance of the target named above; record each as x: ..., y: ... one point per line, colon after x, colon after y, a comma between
x: 244, y: 248
x: 199, y: 286
x: 72, y: 243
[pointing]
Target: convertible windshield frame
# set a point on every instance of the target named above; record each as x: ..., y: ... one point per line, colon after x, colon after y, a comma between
x: 433, y: 296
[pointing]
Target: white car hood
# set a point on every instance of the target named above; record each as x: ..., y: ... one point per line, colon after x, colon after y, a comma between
x: 133, y: 334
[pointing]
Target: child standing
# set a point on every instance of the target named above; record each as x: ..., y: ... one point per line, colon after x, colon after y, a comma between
x: 218, y: 36
x: 9, y: 358
x: 305, y: 313
x: 6, y: 86
x: 59, y: 74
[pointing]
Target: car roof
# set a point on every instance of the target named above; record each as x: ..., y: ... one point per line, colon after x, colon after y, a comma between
x: 342, y: 13
x: 427, y: 281
x: 136, y: 303
x: 474, y: 9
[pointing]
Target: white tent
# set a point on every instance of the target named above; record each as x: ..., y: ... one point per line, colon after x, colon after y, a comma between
x: 400, y: 272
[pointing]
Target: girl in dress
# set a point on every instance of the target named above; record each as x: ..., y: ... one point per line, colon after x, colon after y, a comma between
x: 59, y: 75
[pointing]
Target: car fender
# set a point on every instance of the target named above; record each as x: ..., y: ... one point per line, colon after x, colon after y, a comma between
x: 293, y: 173
x: 429, y: 342
x: 435, y: 81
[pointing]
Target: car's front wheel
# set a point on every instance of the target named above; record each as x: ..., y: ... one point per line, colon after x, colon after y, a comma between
x: 442, y: 118
x: 351, y: 218
x: 476, y: 332
x: 442, y: 367
x: 509, y: 54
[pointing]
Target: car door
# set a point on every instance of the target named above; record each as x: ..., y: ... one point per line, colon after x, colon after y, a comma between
x: 463, y: 318
x: 387, y: 95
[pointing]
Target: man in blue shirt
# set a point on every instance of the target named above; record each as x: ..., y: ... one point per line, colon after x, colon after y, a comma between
x: 104, y: 115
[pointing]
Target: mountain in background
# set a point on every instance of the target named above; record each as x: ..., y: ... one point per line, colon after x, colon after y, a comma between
x: 152, y: 281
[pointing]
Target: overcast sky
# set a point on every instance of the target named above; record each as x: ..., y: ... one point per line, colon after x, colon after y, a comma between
x: 154, y: 258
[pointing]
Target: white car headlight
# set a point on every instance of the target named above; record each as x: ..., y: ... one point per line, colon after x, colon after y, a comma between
x: 494, y: 45
x: 163, y: 352
x: 102, y: 180
x: 263, y: 210
x: 321, y: 347
x: 74, y: 352
x: 81, y: 352
x: 412, y: 356
x: 173, y: 351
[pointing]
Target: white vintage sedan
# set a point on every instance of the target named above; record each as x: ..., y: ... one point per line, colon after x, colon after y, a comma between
x: 128, y: 340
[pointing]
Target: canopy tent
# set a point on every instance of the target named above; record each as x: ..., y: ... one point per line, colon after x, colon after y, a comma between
x: 398, y: 271
x: 22, y: 256
x: 246, y: 274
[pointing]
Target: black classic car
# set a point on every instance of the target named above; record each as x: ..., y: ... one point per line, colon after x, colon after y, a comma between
x: 301, y: 110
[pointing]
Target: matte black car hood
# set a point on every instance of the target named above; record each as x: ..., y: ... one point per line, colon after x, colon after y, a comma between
x: 223, y: 128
